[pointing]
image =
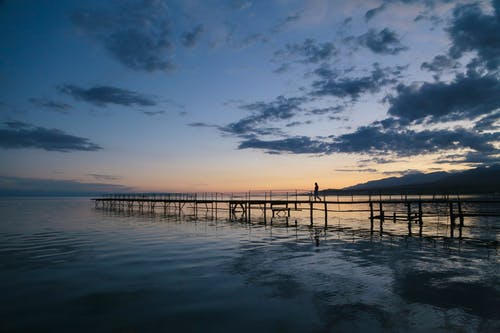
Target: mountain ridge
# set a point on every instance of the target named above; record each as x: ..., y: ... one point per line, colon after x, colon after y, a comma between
x: 478, y: 180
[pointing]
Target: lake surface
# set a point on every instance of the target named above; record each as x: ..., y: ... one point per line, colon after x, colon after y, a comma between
x: 68, y: 267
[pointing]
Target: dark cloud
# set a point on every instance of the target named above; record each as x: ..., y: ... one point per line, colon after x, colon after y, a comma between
x: 295, y: 145
x: 104, y: 95
x: 428, y: 4
x: 472, y: 158
x: 490, y: 122
x: 330, y: 83
x: 282, y: 68
x: 14, y: 124
x: 357, y: 170
x: 403, y: 172
x: 464, y: 98
x: 375, y: 160
x: 135, y: 32
x: 202, y: 124
x: 18, y: 135
x: 440, y: 63
x: 33, y: 186
x: 153, y: 113
x: 384, y: 41
x: 374, y: 11
x: 50, y: 104
x: 435, y: 20
x: 309, y: 51
x: 376, y: 141
x: 472, y: 30
x: 406, y: 143
x: 191, y: 38
x: 282, y: 108
x: 102, y: 177
x: 332, y: 110
x: 482, y: 158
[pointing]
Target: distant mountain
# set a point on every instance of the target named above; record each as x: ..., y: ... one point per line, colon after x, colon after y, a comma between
x: 411, y: 179
x: 479, y: 180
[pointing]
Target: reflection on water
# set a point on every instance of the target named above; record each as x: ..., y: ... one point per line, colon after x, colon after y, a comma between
x: 68, y: 267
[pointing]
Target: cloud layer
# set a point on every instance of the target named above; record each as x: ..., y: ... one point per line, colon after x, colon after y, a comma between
x: 135, y: 32
x: 104, y: 95
x: 18, y: 135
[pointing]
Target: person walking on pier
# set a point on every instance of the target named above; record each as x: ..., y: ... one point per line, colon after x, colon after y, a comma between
x: 316, y: 192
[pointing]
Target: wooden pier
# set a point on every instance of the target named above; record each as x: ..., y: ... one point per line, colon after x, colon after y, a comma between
x: 413, y: 210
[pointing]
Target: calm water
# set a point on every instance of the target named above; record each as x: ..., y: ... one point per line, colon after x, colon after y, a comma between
x: 67, y: 267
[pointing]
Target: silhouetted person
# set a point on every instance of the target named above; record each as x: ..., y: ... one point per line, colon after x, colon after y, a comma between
x: 316, y: 192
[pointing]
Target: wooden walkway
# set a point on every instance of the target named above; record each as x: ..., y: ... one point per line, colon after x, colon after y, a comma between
x: 380, y: 209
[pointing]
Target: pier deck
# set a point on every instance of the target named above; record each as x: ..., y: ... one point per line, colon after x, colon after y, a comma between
x: 410, y: 209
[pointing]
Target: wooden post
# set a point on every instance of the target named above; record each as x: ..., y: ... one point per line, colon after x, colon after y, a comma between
x: 371, y: 216
x: 311, y: 212
x: 326, y: 213
x: 382, y: 215
x: 216, y: 205
x: 195, y: 206
x: 408, y: 211
x: 420, y: 214
x: 248, y: 208
x: 265, y: 213
x: 461, y: 218
x: 452, y: 220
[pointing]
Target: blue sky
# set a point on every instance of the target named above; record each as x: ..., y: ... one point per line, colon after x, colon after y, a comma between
x: 235, y: 95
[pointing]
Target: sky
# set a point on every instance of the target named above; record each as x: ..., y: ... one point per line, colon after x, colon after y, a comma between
x: 238, y: 95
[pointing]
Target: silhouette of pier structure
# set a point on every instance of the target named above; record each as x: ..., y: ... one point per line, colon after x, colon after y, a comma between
x: 413, y: 210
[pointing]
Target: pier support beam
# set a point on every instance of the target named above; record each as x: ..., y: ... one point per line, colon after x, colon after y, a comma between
x: 371, y: 216
x: 326, y: 214
x: 311, y: 212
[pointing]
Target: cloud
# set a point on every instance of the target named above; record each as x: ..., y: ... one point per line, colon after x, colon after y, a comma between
x: 330, y: 83
x: 374, y: 11
x: 333, y: 110
x: 153, y: 113
x: 202, y: 124
x: 135, y: 32
x: 283, y: 25
x: 240, y: 4
x: 50, y: 104
x: 472, y: 158
x: 295, y: 145
x: 191, y: 38
x: 384, y: 41
x: 15, y: 124
x: 491, y: 122
x: 309, y: 51
x: 282, y: 68
x: 100, y: 177
x: 375, y: 160
x: 282, y: 108
x: 18, y: 135
x: 403, y: 172
x: 374, y: 139
x: 104, y: 95
x: 357, y: 170
x: 466, y: 97
x: 440, y: 63
x: 472, y: 30
x: 34, y: 186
